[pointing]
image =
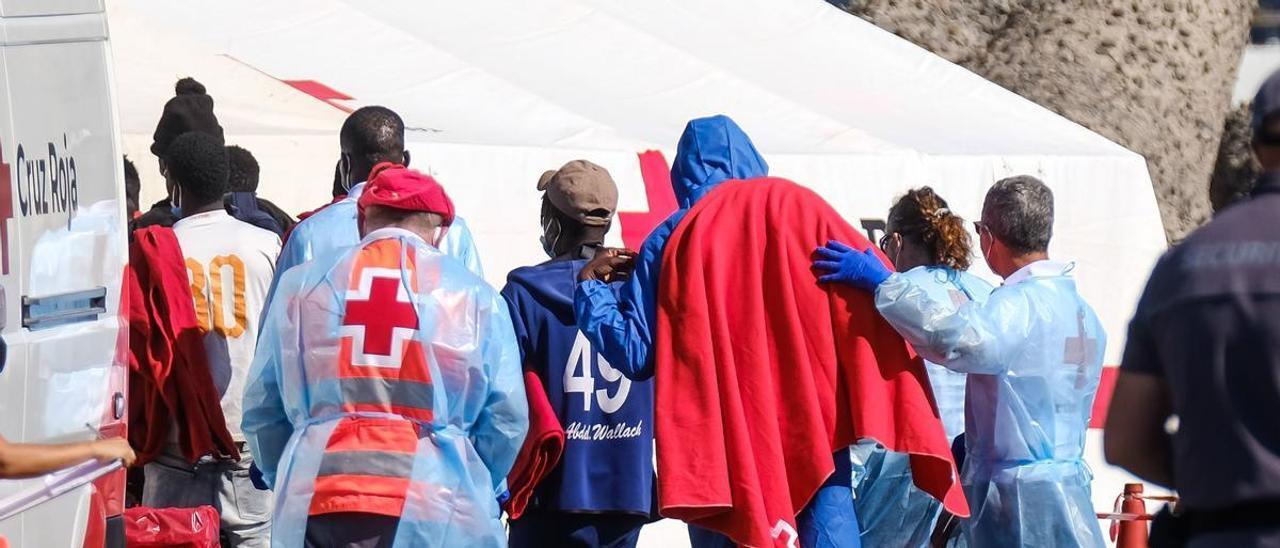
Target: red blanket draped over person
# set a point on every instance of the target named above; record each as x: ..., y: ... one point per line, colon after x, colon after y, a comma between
x: 169, y: 378
x: 763, y: 373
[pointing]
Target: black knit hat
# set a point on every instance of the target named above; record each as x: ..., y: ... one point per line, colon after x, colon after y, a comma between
x: 191, y: 109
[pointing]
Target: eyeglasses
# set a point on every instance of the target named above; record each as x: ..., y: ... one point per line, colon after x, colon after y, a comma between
x: 884, y: 241
x: 980, y: 227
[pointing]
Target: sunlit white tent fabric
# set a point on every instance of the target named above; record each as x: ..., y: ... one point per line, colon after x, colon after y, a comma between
x: 1257, y: 63
x: 496, y: 92
x: 285, y: 127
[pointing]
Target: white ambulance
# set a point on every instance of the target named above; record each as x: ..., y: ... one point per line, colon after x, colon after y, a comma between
x: 62, y: 254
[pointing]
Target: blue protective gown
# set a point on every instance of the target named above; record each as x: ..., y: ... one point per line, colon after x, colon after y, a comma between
x: 334, y: 229
x: 471, y: 415
x: 891, y: 510
x: 1033, y: 354
x: 711, y: 150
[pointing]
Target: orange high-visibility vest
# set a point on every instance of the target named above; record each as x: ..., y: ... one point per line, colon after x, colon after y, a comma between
x: 368, y: 461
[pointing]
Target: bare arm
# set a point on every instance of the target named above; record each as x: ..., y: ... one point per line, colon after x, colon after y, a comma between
x: 1135, y: 438
x: 25, y: 460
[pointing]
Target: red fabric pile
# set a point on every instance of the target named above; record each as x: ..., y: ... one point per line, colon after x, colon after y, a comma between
x: 542, y: 449
x: 763, y: 373
x: 171, y: 527
x: 169, y: 377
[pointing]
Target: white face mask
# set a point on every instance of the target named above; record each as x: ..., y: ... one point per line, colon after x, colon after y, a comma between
x: 175, y: 202
x: 549, y: 241
x: 344, y: 172
x: 986, y: 249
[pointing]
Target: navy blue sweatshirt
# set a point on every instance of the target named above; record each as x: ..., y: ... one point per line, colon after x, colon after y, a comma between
x: 608, y: 419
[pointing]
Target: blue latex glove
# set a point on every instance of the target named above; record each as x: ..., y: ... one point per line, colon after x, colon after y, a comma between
x: 846, y: 265
x: 504, y: 497
x: 255, y: 475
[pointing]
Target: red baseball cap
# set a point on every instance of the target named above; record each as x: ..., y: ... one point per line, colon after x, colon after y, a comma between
x: 396, y: 186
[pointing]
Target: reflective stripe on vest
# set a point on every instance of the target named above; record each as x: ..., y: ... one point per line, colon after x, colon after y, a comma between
x: 367, y: 467
x: 401, y: 397
x: 367, y: 463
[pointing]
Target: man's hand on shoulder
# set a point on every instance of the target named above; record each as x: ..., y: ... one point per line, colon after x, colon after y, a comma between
x: 609, y: 265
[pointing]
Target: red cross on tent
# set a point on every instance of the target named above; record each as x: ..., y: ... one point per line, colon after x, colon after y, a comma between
x: 1080, y: 351
x: 379, y: 317
x: 662, y: 200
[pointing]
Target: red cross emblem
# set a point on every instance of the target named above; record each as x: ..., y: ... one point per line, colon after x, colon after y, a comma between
x: 379, y: 318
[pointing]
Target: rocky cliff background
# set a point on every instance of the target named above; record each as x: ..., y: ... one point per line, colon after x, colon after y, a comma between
x: 1153, y: 75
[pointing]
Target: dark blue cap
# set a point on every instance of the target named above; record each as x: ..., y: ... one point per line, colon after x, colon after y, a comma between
x: 1265, y: 104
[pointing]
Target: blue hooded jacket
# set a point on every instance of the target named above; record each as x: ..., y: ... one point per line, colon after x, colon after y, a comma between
x: 244, y: 206
x: 711, y: 150
x: 608, y: 457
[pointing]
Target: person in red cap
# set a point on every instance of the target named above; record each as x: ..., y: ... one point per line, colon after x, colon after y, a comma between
x: 389, y: 405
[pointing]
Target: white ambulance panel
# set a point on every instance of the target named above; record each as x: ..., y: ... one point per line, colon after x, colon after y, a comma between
x: 30, y: 8
x: 62, y: 252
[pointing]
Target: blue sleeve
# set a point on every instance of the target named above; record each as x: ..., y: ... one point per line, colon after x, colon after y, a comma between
x: 265, y: 423
x: 244, y: 206
x: 620, y: 327
x: 459, y: 244
x: 501, y: 427
x: 296, y: 250
x: 975, y: 337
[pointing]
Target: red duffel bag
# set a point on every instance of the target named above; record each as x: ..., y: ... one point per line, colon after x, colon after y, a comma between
x: 171, y: 527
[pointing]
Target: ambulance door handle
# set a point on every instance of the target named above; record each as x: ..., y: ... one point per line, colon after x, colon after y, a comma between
x: 117, y: 406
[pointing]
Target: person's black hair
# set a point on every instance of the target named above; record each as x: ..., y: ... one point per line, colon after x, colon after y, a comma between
x: 372, y: 135
x: 243, y: 170
x: 132, y: 185
x: 197, y: 162
x: 130, y: 171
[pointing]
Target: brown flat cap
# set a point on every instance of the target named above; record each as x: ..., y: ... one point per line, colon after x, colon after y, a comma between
x: 583, y: 191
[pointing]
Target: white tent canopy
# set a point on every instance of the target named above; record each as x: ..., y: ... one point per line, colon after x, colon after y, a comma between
x: 497, y: 92
x: 1257, y: 63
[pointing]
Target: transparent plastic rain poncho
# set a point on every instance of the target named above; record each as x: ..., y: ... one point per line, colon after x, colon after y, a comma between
x: 891, y: 510
x: 479, y: 415
x: 1033, y: 354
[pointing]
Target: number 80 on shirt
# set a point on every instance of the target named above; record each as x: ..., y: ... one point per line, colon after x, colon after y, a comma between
x: 222, y: 286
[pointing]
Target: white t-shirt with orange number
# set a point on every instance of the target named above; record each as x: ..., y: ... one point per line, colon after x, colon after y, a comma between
x: 230, y: 264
